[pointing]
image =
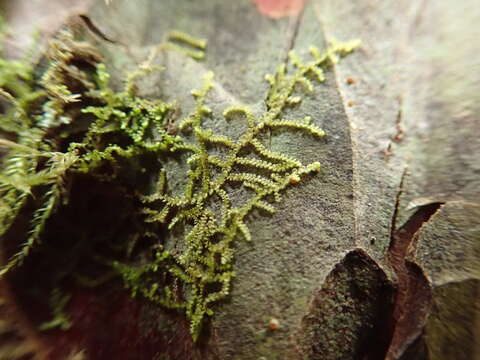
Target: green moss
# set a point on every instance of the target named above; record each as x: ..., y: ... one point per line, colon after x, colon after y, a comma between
x: 204, y: 270
x: 58, y: 301
x: 187, y: 39
x: 120, y: 137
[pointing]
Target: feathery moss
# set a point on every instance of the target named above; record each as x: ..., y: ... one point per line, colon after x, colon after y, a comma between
x: 70, y: 123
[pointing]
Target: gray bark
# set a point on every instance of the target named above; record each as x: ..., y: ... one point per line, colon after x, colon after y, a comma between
x: 378, y: 256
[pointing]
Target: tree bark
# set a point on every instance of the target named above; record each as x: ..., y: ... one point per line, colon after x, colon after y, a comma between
x: 377, y: 257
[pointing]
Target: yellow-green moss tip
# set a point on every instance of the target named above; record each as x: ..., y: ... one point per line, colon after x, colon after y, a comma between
x: 187, y: 39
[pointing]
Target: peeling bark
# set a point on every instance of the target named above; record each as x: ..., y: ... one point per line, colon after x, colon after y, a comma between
x: 413, y: 298
x: 348, y: 317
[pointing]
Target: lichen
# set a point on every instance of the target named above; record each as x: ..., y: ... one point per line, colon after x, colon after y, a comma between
x: 121, y: 136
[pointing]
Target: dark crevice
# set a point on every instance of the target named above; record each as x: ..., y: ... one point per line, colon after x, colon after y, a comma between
x: 411, y: 308
x: 413, y: 297
x: 398, y: 122
x: 94, y: 29
x: 87, y: 21
x: 403, y: 237
x: 397, y: 204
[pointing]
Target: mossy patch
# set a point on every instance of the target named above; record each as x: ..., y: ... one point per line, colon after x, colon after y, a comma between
x: 69, y: 127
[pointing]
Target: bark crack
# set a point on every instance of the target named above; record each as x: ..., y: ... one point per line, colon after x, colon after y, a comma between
x: 403, y: 237
x: 397, y: 204
x: 292, y: 30
x: 293, y: 27
x: 413, y: 298
x: 351, y: 126
x: 94, y: 29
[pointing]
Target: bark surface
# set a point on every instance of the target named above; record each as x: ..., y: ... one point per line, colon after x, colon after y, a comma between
x: 379, y: 255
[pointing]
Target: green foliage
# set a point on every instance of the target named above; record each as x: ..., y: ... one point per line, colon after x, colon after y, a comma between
x: 123, y: 114
x: 17, y: 88
x: 196, y: 48
x: 123, y: 134
x: 39, y: 162
x: 202, y: 272
x: 58, y: 302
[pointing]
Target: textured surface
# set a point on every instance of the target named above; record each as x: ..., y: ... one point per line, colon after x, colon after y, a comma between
x: 403, y: 134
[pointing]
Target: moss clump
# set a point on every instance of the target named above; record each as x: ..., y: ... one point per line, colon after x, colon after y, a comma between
x: 66, y: 127
x: 71, y: 123
x: 201, y: 274
x: 112, y: 127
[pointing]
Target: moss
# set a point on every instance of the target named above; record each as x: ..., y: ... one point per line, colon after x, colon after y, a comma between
x: 60, y: 319
x: 187, y: 39
x: 82, y: 127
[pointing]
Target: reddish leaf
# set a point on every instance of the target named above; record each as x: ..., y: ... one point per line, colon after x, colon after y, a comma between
x: 279, y: 8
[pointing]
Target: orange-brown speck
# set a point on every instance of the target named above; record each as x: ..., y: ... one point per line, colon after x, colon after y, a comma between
x: 351, y: 80
x: 274, y: 324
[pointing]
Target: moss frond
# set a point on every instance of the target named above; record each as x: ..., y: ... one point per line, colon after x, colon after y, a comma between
x: 242, y: 110
x: 197, y: 266
x: 187, y: 39
x: 58, y: 302
x: 296, y: 125
x: 39, y: 220
x: 123, y: 140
